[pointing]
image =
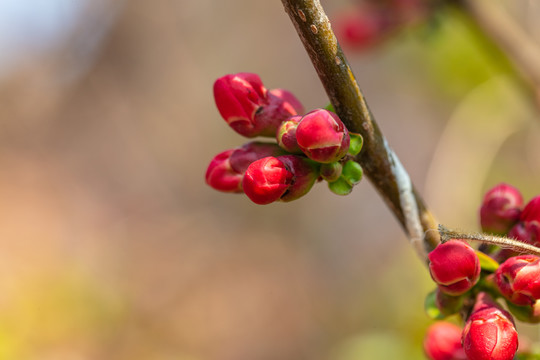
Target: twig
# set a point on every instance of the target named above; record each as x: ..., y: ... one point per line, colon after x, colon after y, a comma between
x: 506, y: 243
x: 380, y: 163
x: 514, y: 42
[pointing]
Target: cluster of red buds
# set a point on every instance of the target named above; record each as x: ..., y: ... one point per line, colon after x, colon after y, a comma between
x: 370, y: 22
x: 308, y: 147
x: 470, y: 284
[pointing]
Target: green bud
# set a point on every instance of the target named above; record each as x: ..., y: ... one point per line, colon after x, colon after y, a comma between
x: 352, y: 172
x: 331, y: 171
x: 357, y: 141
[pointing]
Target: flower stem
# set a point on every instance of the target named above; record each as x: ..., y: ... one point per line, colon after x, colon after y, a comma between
x: 503, y: 242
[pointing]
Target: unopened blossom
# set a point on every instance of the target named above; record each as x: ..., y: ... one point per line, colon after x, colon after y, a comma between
x: 322, y: 136
x: 454, y: 266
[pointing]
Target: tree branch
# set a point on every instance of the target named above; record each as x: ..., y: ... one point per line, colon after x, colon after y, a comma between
x: 380, y: 163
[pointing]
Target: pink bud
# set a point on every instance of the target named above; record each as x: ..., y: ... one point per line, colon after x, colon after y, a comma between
x: 283, y: 178
x: 361, y: 28
x: 305, y: 173
x: 443, y: 342
x: 249, y: 108
x: 531, y: 212
x: 226, y: 170
x: 252, y: 151
x: 266, y: 180
x: 527, y: 232
x: 518, y: 279
x: 322, y: 136
x: 454, y: 266
x: 286, y: 134
x: 286, y: 103
x: 490, y: 333
x: 221, y: 176
x: 500, y: 209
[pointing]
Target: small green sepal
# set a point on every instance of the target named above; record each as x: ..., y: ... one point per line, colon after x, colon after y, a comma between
x: 352, y: 172
x: 357, y: 141
x: 340, y: 186
x: 330, y: 107
x: 486, y: 262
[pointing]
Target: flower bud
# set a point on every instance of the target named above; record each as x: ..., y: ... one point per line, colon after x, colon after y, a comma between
x: 362, y: 28
x: 252, y: 151
x: 249, y: 108
x: 221, y: 176
x: 531, y: 212
x: 322, y: 136
x: 500, y: 209
x: 283, y: 178
x: 305, y: 173
x: 286, y: 135
x: 526, y: 313
x: 443, y: 342
x: 518, y: 279
x: 489, y: 333
x: 454, y: 266
x: 226, y: 170
x: 527, y: 232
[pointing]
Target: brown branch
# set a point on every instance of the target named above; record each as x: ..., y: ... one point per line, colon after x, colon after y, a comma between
x: 522, y: 51
x: 380, y: 163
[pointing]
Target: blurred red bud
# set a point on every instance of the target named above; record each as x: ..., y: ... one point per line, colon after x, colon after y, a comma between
x: 501, y: 209
x: 454, y: 266
x: 518, y: 279
x: 531, y: 212
x: 443, y: 342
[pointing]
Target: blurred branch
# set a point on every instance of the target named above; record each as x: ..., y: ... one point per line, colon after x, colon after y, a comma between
x: 380, y: 163
x: 518, y: 46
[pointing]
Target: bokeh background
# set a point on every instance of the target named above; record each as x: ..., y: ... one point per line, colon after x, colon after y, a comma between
x: 111, y: 244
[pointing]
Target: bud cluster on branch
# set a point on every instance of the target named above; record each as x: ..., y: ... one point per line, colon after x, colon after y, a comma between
x: 309, y: 147
x: 470, y: 282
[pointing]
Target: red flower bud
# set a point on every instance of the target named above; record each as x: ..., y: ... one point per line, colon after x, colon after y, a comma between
x: 443, y: 342
x: 284, y: 178
x: 500, y: 209
x: 454, y: 266
x: 322, y: 136
x: 249, y: 108
x: 226, y: 170
x: 362, y: 28
x: 221, y: 176
x: 286, y: 134
x: 518, y: 279
x: 527, y: 232
x: 531, y: 212
x: 489, y: 333
x: 252, y: 151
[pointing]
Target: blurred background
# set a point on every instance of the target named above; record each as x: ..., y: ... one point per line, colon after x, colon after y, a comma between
x: 111, y: 244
